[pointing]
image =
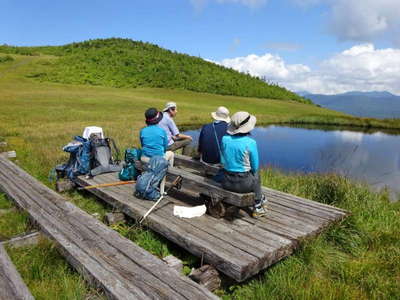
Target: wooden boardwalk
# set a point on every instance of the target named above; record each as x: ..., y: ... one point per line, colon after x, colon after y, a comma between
x: 239, y: 248
x: 105, y: 258
x: 11, y: 284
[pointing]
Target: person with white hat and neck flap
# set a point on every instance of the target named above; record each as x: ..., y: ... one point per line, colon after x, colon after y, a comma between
x: 176, y: 140
x: 240, y: 160
x: 211, y: 137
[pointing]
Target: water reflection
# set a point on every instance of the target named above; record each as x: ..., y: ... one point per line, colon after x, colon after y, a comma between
x: 371, y: 157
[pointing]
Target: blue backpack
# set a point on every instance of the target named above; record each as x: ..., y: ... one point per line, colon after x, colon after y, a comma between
x: 79, y: 159
x: 148, y: 183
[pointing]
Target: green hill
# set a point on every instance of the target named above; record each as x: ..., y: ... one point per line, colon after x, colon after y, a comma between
x: 126, y: 63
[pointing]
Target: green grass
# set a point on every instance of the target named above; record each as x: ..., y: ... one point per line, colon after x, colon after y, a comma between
x: 127, y: 63
x: 358, y: 258
x: 12, y: 222
x: 48, y: 275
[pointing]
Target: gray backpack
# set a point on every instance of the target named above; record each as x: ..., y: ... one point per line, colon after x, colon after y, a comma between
x: 102, y: 160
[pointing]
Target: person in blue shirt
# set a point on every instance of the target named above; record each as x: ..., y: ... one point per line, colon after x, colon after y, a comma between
x: 154, y: 141
x: 211, y: 137
x: 240, y: 160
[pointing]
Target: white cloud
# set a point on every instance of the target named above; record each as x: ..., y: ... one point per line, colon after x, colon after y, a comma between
x: 361, y: 68
x: 361, y: 20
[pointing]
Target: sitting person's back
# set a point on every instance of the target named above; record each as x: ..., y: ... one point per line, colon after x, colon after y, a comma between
x: 240, y: 153
x: 211, y: 136
x: 240, y: 160
x: 154, y: 140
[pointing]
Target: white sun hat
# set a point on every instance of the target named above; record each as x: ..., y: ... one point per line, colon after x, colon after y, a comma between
x: 222, y: 114
x: 169, y: 105
x: 241, y: 122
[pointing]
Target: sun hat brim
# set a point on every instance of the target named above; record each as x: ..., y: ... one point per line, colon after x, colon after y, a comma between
x: 245, y: 128
x: 219, y: 118
x: 157, y: 120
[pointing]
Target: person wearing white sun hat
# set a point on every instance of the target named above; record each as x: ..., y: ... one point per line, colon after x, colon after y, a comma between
x: 211, y: 137
x: 240, y: 160
x: 176, y: 140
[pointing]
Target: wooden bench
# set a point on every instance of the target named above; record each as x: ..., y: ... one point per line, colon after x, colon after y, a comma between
x: 206, y: 186
x: 105, y: 258
x: 209, y: 187
x: 11, y: 283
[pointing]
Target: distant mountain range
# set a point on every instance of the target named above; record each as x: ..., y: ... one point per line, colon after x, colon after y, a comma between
x: 362, y: 104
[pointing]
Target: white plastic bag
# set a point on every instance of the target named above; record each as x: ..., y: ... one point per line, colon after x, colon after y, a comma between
x: 189, y: 212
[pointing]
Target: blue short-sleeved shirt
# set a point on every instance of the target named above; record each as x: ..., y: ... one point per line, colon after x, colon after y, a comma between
x: 154, y: 140
x: 169, y: 126
x: 239, y: 154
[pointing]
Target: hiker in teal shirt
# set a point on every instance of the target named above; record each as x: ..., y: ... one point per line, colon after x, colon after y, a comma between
x: 240, y: 160
x: 154, y: 140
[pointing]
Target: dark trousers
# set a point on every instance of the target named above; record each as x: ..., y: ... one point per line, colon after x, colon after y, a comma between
x: 179, y: 144
x: 245, y: 182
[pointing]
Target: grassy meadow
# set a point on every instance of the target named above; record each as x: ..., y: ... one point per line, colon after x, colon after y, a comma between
x: 356, y: 259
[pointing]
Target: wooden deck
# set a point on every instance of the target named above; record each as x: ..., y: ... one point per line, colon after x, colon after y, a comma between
x: 11, y: 284
x: 105, y: 258
x: 239, y: 248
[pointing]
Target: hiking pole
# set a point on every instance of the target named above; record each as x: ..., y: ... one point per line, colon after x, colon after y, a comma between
x: 88, y: 187
x: 176, y: 183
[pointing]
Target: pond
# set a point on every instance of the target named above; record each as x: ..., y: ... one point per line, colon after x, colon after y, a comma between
x: 370, y: 157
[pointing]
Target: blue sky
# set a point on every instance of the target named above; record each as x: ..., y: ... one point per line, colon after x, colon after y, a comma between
x: 300, y: 44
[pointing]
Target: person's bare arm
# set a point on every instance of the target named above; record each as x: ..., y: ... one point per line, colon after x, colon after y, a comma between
x: 182, y: 136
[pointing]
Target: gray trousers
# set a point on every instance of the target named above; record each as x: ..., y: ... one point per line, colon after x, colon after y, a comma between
x: 245, y: 182
x: 179, y: 144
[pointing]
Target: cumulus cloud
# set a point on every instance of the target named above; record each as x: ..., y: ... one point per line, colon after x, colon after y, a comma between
x: 361, y: 21
x: 361, y: 68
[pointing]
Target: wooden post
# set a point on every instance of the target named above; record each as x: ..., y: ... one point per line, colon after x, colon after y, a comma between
x: 64, y: 185
x: 207, y: 276
x: 113, y: 218
x: 174, y: 263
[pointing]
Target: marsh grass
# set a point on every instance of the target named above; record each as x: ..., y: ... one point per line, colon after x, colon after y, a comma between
x: 12, y: 222
x: 359, y: 258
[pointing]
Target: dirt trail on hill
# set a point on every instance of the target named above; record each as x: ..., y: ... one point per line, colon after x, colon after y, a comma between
x: 14, y: 66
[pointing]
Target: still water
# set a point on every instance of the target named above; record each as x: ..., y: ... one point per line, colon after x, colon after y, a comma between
x: 370, y: 157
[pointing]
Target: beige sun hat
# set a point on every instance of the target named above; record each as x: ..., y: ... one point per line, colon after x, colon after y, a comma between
x: 241, y: 122
x: 222, y: 114
x: 169, y: 105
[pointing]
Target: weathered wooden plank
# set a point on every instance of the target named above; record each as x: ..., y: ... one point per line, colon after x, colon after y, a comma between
x: 78, y: 230
x: 26, y: 239
x: 70, y: 210
x: 304, y: 201
x: 331, y: 216
x: 11, y: 283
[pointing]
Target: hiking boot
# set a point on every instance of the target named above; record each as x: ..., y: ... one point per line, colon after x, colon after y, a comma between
x: 258, y: 212
x: 259, y: 209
